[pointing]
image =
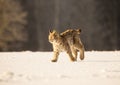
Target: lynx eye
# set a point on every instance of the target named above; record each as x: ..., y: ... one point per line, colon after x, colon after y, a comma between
x: 51, y: 38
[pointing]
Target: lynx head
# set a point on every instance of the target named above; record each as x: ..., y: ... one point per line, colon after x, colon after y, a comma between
x: 53, y: 36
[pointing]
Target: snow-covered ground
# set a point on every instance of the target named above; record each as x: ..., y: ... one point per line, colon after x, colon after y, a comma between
x: 35, y: 68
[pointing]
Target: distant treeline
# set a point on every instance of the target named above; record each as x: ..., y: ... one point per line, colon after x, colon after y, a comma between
x: 98, y: 19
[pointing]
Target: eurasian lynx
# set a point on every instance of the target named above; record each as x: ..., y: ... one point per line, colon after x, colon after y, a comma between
x: 68, y: 41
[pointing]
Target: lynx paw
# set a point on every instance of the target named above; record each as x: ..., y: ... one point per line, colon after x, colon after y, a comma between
x: 73, y: 59
x: 81, y: 57
x: 54, y: 60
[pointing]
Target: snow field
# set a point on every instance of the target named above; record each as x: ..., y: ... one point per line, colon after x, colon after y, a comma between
x: 35, y: 68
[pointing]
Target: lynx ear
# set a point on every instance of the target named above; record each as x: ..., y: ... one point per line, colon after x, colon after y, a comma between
x: 50, y: 31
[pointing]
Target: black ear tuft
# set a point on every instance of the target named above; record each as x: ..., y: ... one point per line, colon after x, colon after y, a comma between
x: 50, y: 31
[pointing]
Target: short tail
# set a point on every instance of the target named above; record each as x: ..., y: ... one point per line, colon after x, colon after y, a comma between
x: 78, y: 31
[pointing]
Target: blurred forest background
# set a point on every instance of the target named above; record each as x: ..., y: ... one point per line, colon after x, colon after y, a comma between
x: 24, y: 24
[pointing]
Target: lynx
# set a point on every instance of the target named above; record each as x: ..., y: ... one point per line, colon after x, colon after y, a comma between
x: 67, y: 41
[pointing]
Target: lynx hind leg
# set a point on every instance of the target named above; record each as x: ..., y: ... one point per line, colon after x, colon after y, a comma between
x: 70, y: 55
x: 80, y: 47
x: 55, y: 57
x: 74, y: 52
x: 81, y: 53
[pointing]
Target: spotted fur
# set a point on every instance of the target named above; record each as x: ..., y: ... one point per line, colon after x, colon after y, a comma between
x: 67, y: 41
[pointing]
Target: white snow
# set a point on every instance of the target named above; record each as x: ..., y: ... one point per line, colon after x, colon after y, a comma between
x: 35, y: 68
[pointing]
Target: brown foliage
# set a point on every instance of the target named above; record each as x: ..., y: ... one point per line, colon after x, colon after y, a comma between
x: 12, y: 21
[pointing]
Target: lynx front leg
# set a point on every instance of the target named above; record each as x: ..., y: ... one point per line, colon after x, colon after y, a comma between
x: 55, y: 57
